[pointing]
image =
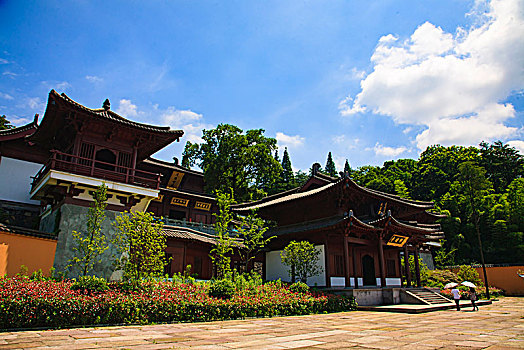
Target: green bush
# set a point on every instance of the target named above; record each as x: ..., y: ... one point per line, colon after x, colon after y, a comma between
x: 90, y: 284
x: 299, y: 287
x: 223, y: 288
x: 27, y: 304
x: 468, y: 273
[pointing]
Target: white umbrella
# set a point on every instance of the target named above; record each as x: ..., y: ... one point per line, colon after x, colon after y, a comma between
x: 468, y: 284
x: 450, y: 285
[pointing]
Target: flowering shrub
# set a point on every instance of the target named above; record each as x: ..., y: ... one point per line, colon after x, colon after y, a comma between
x: 26, y: 304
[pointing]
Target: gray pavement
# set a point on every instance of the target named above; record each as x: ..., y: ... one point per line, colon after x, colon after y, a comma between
x: 496, y: 326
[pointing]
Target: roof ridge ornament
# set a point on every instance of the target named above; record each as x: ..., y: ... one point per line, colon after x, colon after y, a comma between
x: 107, y: 104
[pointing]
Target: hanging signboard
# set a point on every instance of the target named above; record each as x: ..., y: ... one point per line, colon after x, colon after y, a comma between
x: 397, y: 240
x: 179, y: 201
x: 174, y: 180
x: 203, y: 206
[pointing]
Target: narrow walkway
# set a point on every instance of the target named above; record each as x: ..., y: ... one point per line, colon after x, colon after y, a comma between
x: 496, y: 326
x: 420, y: 308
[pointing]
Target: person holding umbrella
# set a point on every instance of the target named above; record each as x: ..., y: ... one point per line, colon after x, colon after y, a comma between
x: 472, y: 294
x: 455, y: 292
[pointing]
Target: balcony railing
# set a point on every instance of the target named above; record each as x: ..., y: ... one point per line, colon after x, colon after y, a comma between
x: 97, y: 169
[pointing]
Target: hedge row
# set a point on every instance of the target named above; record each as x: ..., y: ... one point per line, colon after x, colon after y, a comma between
x: 28, y: 304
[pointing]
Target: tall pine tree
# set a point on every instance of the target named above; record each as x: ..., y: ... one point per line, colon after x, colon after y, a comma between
x: 288, y: 177
x: 347, y: 168
x: 330, y: 166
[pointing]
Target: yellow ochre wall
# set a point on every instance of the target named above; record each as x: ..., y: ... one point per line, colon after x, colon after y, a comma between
x: 17, y: 250
x: 504, y: 277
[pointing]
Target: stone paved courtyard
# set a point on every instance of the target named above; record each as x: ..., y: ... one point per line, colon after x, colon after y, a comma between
x: 496, y: 326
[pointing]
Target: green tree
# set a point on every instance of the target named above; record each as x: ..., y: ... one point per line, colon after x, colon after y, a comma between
x: 189, y: 154
x: 347, y: 168
x: 140, y: 239
x: 4, y: 123
x: 503, y: 164
x: 89, y: 246
x: 302, y: 258
x: 251, y: 230
x: 474, y: 187
x: 232, y: 159
x: 300, y: 178
x: 400, y: 189
x: 443, y: 256
x: 220, y: 254
x: 288, y: 177
x: 330, y: 166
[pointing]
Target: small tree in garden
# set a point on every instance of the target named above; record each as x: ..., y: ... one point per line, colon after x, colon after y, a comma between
x: 302, y: 258
x: 220, y: 254
x: 88, y: 246
x: 251, y: 230
x: 140, y: 240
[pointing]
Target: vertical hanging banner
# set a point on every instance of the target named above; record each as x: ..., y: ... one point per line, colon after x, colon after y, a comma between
x: 174, y: 180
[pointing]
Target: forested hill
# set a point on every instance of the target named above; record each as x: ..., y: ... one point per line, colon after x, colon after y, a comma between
x: 478, y: 187
x: 469, y: 184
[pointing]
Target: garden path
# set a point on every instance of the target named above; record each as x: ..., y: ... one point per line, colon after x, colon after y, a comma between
x: 496, y: 326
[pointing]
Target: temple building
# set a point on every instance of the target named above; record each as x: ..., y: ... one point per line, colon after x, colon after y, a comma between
x: 49, y: 172
x: 361, y: 233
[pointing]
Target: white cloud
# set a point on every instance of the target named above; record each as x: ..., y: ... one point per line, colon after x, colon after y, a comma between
x: 94, y: 79
x: 451, y: 84
x: 284, y: 140
x: 381, y: 150
x: 4, y: 61
x: 35, y: 103
x: 518, y: 144
x: 6, y: 96
x: 346, y: 108
x: 10, y: 74
x: 126, y: 108
x: 347, y: 144
x: 56, y: 85
x: 190, y: 122
x: 19, y: 121
x: 64, y: 85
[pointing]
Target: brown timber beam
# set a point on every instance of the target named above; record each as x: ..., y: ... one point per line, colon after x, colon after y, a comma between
x: 354, y: 256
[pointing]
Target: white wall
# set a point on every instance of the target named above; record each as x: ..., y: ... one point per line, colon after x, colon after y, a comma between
x: 275, y: 269
x: 15, y: 179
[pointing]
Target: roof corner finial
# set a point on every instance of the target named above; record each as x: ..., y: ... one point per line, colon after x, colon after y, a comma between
x: 315, y: 168
x: 107, y: 104
x: 35, y: 120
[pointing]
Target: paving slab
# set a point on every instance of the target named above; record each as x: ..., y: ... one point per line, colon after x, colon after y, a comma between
x: 496, y: 326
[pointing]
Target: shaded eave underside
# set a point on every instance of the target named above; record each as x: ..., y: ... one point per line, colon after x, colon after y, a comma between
x: 171, y: 166
x: 354, y: 223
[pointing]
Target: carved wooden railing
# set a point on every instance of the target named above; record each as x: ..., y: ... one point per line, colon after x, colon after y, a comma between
x: 98, y: 169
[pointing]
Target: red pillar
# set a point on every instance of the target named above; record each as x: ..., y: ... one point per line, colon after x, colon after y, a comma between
x: 406, y: 265
x: 346, y: 261
x: 417, y: 266
x: 381, y: 261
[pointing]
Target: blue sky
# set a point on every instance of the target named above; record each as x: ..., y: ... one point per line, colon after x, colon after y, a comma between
x: 367, y: 80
